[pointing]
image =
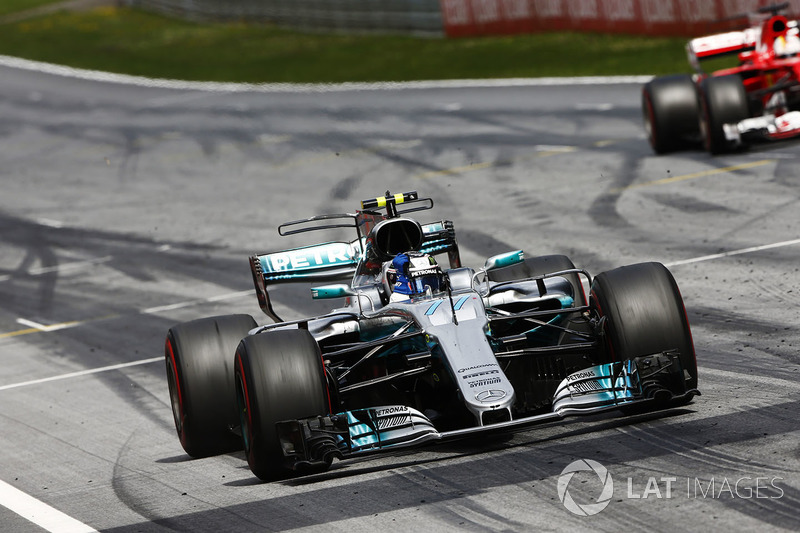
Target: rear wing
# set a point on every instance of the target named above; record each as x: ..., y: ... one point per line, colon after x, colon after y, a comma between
x: 440, y: 238
x: 338, y: 261
x: 721, y: 44
x: 331, y: 261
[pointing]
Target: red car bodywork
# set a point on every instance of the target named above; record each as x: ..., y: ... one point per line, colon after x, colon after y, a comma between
x: 759, y: 99
x: 769, y: 67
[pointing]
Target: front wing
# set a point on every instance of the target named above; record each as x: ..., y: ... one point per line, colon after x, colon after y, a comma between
x: 767, y: 127
x: 655, y: 379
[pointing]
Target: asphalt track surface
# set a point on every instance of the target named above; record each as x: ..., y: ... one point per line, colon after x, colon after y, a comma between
x: 126, y: 209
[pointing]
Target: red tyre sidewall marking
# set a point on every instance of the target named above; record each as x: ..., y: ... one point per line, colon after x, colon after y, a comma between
x: 174, y: 367
x: 243, y: 380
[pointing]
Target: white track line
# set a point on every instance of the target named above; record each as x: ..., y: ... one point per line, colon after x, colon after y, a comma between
x: 222, y: 87
x: 764, y: 381
x: 68, y: 267
x: 61, y: 268
x: 190, y: 303
x: 39, y: 513
x: 82, y: 373
x: 44, y: 327
x: 733, y: 252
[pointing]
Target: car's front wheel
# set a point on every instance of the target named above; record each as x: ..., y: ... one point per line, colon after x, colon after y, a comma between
x: 723, y: 101
x: 279, y: 376
x: 644, y: 315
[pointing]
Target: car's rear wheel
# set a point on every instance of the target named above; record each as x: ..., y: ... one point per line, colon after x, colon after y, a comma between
x: 723, y: 100
x: 200, y: 377
x: 670, y: 110
x: 644, y: 315
x: 537, y: 266
x: 279, y: 377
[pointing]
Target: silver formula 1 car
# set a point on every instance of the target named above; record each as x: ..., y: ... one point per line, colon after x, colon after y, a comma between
x: 456, y: 352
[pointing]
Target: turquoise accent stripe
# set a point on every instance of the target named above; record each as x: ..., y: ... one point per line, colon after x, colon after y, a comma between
x: 432, y: 309
x: 461, y: 301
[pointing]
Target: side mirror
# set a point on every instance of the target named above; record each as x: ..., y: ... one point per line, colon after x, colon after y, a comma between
x: 504, y: 260
x: 325, y: 292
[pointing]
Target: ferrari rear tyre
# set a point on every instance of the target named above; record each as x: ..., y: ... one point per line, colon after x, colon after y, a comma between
x: 199, y: 359
x: 723, y: 101
x: 279, y: 377
x: 537, y: 266
x: 670, y: 110
x: 644, y: 315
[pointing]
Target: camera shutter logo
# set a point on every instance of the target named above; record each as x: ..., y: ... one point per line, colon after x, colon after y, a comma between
x: 586, y: 509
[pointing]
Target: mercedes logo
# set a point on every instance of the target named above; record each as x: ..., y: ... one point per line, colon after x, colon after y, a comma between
x: 490, y: 395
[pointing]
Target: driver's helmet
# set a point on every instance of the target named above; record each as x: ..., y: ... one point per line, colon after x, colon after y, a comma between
x: 787, y: 45
x: 416, y: 272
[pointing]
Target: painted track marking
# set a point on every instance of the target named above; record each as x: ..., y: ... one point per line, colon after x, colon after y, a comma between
x: 40, y: 513
x: 81, y: 373
x: 757, y: 379
x: 190, y: 303
x: 541, y: 151
x: 61, y: 268
x: 51, y: 327
x: 35, y: 327
x: 69, y: 267
x: 694, y: 175
x: 733, y: 252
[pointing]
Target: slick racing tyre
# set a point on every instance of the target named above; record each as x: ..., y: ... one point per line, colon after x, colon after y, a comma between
x: 723, y: 101
x: 670, y: 110
x: 537, y: 266
x: 644, y: 314
x: 279, y: 377
x: 199, y: 357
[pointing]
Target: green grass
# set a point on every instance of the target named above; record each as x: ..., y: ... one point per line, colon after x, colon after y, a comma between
x: 135, y: 42
x: 14, y: 6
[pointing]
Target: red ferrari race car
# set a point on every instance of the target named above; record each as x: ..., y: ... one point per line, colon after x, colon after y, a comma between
x: 757, y: 100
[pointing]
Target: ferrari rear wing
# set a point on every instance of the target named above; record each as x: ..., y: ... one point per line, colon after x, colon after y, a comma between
x: 721, y: 44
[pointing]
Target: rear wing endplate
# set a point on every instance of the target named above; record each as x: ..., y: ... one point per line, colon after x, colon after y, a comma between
x: 332, y: 261
x: 721, y: 44
x: 440, y: 238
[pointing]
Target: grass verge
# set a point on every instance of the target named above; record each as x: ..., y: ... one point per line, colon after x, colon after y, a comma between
x: 135, y: 42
